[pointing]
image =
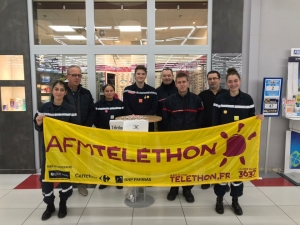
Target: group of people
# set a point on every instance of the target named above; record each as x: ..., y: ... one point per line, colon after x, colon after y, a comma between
x: 179, y: 108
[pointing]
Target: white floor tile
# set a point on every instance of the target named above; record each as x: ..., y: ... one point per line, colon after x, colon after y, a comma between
x: 248, y: 184
x: 28, y: 198
x: 282, y: 195
x: 252, y: 196
x: 292, y: 212
x: 158, y: 213
x: 256, y: 215
x: 107, y: 216
x: 14, y: 216
x: 4, y: 192
x: 151, y: 221
x: 72, y: 217
x: 214, y: 220
x: 108, y: 197
x: 208, y: 215
x: 10, y: 181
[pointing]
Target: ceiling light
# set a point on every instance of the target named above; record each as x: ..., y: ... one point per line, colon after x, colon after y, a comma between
x: 182, y: 27
x: 104, y: 28
x: 161, y: 28
x: 129, y: 28
x: 201, y: 26
x: 159, y: 40
x: 196, y: 38
x: 62, y: 28
x: 194, y: 22
x: 75, y: 37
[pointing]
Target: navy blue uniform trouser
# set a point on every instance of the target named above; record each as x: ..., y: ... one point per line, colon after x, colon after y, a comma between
x: 236, y: 189
x: 48, y: 187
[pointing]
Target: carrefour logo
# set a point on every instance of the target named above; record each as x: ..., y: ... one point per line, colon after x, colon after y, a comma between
x: 297, y: 52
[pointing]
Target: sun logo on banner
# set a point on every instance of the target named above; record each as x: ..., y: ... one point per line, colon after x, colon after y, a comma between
x: 236, y: 145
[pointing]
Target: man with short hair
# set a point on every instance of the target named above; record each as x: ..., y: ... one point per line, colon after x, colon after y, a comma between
x: 83, y: 101
x: 182, y: 111
x: 140, y: 98
x: 166, y: 89
x: 208, y: 98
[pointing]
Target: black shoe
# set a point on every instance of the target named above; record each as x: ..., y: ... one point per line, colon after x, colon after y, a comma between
x: 102, y: 186
x: 62, y: 211
x: 172, y: 194
x: 49, y: 210
x: 219, y: 205
x: 227, y: 188
x: 236, y: 206
x: 189, y: 197
x: 205, y: 186
x: 119, y: 187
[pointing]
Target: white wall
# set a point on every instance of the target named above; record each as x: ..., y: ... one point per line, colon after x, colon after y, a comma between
x: 271, y: 29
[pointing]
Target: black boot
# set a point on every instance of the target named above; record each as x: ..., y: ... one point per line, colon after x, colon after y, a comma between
x: 49, y: 210
x: 189, y: 197
x: 219, y: 205
x: 62, y: 211
x: 119, y: 187
x: 205, y: 186
x: 102, y: 186
x: 236, y: 206
x: 172, y: 194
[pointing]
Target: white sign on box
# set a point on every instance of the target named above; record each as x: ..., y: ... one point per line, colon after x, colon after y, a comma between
x: 295, y: 52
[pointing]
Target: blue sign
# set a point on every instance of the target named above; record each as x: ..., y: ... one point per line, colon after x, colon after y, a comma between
x: 295, y: 151
x: 271, y: 97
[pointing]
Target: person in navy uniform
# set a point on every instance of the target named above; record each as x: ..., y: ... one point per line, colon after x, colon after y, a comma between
x: 166, y: 89
x: 58, y: 109
x: 229, y: 107
x: 108, y: 109
x: 182, y: 111
x: 208, y: 97
x: 140, y: 98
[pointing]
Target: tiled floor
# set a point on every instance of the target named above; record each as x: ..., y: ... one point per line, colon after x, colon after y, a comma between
x: 270, y: 201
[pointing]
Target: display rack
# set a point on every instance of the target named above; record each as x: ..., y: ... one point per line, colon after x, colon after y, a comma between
x: 12, y: 96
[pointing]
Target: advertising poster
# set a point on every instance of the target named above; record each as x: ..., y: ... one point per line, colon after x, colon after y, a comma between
x: 295, y: 151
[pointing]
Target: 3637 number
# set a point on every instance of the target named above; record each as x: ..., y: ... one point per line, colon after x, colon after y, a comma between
x: 247, y: 173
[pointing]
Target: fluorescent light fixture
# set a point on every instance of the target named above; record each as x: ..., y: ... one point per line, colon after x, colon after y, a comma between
x: 144, y: 28
x: 104, y: 28
x: 62, y: 28
x: 75, y: 37
x: 129, y: 28
x: 201, y: 26
x: 77, y: 27
x: 175, y: 39
x: 196, y: 38
x: 161, y: 28
x: 182, y: 27
x: 159, y: 40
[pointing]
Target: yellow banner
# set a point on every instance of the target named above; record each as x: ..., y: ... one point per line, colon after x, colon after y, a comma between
x: 218, y: 154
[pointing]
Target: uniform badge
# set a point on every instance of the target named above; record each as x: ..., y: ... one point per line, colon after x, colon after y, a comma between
x: 225, y: 111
